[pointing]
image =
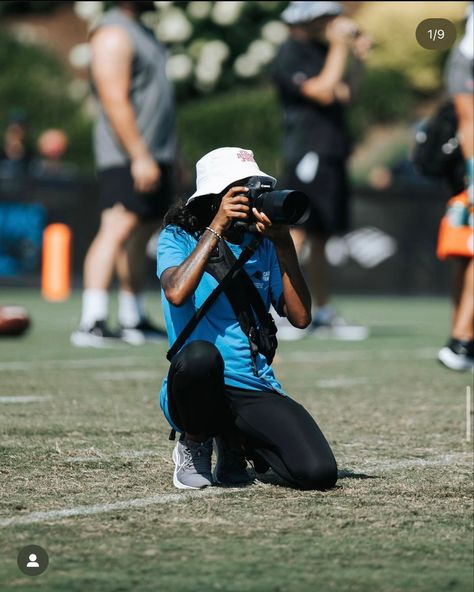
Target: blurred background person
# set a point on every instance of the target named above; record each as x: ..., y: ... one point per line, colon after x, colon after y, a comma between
x: 15, y: 152
x: 52, y: 146
x: 317, y: 71
x: 134, y: 145
x: 458, y: 353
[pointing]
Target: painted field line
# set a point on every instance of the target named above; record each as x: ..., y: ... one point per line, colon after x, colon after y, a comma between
x: 294, y: 356
x: 123, y: 454
x: 24, y: 399
x: 130, y: 375
x: 439, y: 460
x: 340, y: 382
x: 162, y: 498
x: 348, y: 356
x: 86, y: 363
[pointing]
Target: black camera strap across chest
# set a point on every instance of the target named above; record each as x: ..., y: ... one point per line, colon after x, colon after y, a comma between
x: 247, y: 305
x: 244, y: 299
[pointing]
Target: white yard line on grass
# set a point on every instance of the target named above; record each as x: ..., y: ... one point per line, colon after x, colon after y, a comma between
x: 408, y: 463
x: 371, y: 464
x: 362, y: 354
x: 130, y: 375
x: 123, y: 454
x: 24, y: 399
x: 71, y: 364
x: 340, y: 382
x: 294, y: 356
x: 162, y: 498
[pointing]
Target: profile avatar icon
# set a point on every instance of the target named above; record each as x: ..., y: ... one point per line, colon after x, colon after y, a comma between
x: 32, y: 561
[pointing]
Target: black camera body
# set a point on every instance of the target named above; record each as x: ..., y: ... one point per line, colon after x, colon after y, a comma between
x: 285, y: 206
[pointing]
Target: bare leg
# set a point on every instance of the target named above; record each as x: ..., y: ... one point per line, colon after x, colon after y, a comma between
x: 116, y: 225
x: 463, y: 328
x: 131, y: 259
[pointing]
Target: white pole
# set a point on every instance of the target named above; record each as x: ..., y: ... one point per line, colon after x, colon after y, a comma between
x: 468, y: 413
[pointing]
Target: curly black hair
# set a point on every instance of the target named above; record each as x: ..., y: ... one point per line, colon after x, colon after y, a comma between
x: 196, y: 216
x: 199, y: 213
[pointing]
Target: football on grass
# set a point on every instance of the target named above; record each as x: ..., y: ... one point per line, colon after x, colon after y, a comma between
x: 14, y: 320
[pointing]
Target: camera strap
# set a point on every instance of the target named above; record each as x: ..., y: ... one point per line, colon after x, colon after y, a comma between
x: 247, y: 304
x: 229, y: 276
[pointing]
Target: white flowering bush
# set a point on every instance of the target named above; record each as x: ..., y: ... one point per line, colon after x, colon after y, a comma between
x: 213, y: 45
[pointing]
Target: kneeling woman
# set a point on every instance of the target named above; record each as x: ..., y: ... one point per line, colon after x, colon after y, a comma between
x: 219, y: 388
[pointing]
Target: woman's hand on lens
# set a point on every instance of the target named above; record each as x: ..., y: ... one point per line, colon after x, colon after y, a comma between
x: 275, y: 232
x: 234, y: 206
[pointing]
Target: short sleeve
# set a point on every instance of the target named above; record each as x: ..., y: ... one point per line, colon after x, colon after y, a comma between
x: 276, y: 284
x: 288, y: 72
x: 173, y: 248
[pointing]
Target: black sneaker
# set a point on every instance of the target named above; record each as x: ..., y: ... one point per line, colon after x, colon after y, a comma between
x: 142, y: 333
x: 99, y: 335
x: 231, y: 466
x: 457, y: 355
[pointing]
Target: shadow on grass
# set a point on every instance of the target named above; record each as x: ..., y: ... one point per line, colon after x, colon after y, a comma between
x: 349, y: 474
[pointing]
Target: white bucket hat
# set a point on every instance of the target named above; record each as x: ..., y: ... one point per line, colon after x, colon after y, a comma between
x: 305, y: 12
x: 220, y: 168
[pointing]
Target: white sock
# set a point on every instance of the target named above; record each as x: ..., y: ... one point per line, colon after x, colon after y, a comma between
x: 131, y: 308
x: 95, y: 307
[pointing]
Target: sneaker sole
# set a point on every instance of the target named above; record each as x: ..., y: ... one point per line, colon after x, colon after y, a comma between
x: 342, y: 333
x: 176, y: 482
x: 133, y: 337
x: 453, y: 361
x: 79, y: 339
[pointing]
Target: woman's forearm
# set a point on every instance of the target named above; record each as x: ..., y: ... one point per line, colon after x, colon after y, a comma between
x: 180, y: 282
x: 297, y: 299
x: 321, y: 88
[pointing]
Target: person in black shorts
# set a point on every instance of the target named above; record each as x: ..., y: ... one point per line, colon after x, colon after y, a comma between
x: 134, y: 143
x: 315, y: 85
x: 458, y: 353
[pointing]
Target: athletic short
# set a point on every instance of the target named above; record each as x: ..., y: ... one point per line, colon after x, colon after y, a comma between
x: 116, y: 187
x: 459, y: 74
x: 325, y: 182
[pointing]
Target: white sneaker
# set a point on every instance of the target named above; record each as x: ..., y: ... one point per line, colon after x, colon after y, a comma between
x: 328, y: 324
x: 192, y: 462
x: 99, y: 335
x: 144, y: 332
x: 457, y: 356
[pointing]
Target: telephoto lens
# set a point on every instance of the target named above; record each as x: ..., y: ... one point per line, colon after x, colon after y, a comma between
x: 284, y: 207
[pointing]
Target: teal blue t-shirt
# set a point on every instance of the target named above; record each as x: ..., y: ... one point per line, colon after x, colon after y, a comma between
x: 219, y: 325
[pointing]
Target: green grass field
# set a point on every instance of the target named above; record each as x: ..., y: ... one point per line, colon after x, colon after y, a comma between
x: 92, y: 436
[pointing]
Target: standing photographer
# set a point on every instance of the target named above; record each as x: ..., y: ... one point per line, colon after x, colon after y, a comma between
x: 317, y: 72
x: 219, y: 385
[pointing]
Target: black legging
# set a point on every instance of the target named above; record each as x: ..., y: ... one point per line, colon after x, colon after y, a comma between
x: 278, y: 428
